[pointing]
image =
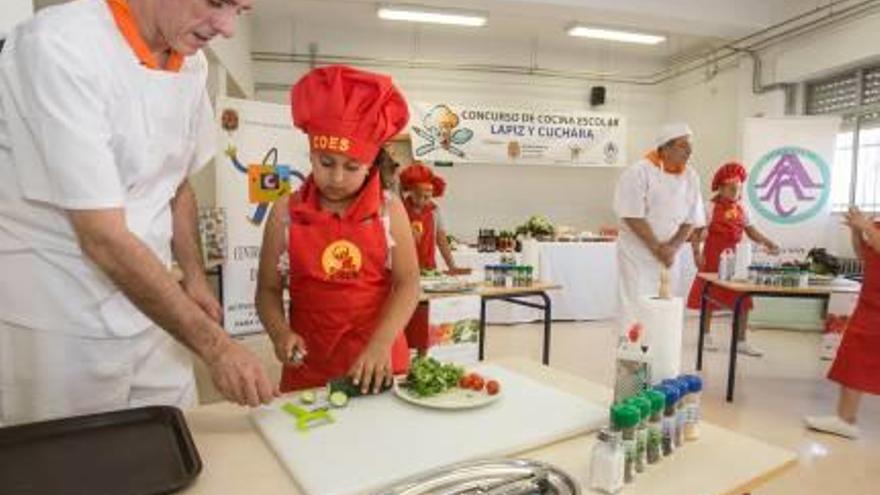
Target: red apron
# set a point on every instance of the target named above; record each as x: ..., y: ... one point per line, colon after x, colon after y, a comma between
x: 857, y: 364
x: 725, y: 232
x: 425, y: 230
x: 338, y: 284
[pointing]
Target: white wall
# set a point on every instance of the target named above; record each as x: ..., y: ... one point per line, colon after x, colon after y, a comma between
x: 489, y: 195
x: 234, y: 54
x: 14, y: 11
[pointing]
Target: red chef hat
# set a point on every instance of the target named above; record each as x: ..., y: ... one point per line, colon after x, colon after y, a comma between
x: 729, y: 172
x: 349, y: 111
x: 417, y: 173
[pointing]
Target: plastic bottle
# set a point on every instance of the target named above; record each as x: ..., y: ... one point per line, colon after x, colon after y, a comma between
x: 655, y: 425
x: 625, y: 419
x: 724, y: 265
x: 692, y: 426
x: 644, y: 406
x: 669, y: 419
x: 607, y: 463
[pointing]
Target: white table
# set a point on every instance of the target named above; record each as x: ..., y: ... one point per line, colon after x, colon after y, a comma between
x: 236, y: 460
x: 587, y: 272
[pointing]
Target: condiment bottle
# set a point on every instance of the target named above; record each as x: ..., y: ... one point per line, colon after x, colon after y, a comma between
x: 644, y: 406
x: 625, y: 419
x: 607, y: 463
x: 655, y: 431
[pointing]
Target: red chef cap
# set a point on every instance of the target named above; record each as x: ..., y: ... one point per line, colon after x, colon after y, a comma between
x: 417, y: 173
x: 349, y: 111
x: 729, y: 172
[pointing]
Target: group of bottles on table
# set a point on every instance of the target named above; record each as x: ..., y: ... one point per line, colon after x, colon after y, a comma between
x: 645, y: 429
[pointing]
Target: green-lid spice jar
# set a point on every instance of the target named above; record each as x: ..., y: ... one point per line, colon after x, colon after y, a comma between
x: 625, y: 419
x: 644, y: 406
x: 655, y: 432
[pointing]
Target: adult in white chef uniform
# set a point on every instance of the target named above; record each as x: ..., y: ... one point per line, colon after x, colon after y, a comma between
x: 658, y: 202
x: 98, y: 134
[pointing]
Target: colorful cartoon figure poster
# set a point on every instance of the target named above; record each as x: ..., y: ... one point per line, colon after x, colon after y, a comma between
x: 454, y: 329
x: 458, y: 133
x: 788, y: 189
x: 261, y: 157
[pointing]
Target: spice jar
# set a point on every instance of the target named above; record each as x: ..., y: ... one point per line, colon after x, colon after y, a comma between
x: 625, y: 419
x: 607, y: 463
x: 680, y: 409
x: 644, y: 406
x: 655, y: 432
x: 669, y: 419
x: 692, y: 426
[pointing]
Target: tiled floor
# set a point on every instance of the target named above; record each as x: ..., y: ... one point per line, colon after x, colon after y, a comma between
x: 773, y: 393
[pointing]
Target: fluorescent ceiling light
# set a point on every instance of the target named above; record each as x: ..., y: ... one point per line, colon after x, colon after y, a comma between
x: 417, y: 13
x: 615, y: 35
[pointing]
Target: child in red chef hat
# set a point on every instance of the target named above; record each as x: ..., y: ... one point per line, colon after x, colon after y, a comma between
x: 420, y: 186
x: 353, y: 272
x: 727, y: 222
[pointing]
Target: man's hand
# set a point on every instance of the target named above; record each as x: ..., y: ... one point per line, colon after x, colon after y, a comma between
x: 204, y: 297
x: 239, y: 376
x: 665, y: 253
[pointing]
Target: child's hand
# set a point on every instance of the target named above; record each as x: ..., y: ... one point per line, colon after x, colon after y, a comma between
x: 855, y: 219
x: 290, y: 349
x: 772, y: 248
x: 372, y: 368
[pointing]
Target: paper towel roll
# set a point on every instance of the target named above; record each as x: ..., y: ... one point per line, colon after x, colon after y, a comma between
x: 531, y: 252
x: 743, y: 260
x: 662, y: 321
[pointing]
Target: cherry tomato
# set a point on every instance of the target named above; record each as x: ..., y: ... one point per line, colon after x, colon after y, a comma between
x: 492, y: 387
x: 465, y: 381
x: 477, y: 382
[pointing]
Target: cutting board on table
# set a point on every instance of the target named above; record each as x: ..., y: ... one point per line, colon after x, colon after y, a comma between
x: 379, y: 440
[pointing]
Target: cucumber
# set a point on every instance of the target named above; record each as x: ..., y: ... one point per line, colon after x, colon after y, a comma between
x: 338, y: 399
x: 347, y: 386
x: 308, y: 397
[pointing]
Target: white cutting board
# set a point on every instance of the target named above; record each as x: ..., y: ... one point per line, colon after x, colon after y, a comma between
x: 379, y: 440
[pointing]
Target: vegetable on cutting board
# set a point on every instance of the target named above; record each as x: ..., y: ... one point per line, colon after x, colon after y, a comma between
x: 346, y: 385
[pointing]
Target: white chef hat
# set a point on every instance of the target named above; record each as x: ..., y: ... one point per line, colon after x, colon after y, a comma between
x: 672, y: 130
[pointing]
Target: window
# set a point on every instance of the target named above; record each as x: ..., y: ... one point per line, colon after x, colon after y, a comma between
x: 855, y: 174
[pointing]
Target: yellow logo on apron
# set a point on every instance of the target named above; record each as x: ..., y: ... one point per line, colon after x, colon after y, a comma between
x: 418, y: 228
x: 342, y: 260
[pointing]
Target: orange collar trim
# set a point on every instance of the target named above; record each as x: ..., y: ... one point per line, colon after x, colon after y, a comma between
x: 128, y: 27
x: 654, y: 158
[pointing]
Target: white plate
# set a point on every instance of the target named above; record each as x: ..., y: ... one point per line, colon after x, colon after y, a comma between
x: 452, y: 399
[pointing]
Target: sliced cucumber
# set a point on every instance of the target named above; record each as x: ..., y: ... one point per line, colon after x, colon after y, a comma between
x: 338, y: 399
x: 308, y: 397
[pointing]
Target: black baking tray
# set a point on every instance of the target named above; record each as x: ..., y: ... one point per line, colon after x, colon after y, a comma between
x: 142, y: 451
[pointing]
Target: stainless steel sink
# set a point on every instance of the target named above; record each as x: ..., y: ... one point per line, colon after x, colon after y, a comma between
x: 489, y: 477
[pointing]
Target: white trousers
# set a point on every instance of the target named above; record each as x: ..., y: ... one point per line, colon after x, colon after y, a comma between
x: 46, y: 375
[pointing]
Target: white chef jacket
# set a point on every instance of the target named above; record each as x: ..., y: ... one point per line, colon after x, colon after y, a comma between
x: 84, y: 126
x: 665, y: 201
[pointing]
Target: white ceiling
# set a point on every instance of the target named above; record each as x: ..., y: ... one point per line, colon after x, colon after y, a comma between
x: 690, y: 25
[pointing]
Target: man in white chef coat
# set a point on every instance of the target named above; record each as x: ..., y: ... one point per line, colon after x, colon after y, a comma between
x: 658, y: 202
x: 103, y: 116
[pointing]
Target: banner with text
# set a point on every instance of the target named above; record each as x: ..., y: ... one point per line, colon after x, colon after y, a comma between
x: 789, y: 184
x: 474, y: 134
x: 261, y: 156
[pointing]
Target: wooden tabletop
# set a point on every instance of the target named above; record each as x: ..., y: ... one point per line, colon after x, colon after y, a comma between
x: 492, y: 291
x: 838, y: 286
x: 721, y: 462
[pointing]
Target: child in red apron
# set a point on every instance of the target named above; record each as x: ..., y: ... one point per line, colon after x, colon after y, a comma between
x: 857, y: 365
x: 726, y: 225
x: 353, y: 275
x: 420, y: 186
